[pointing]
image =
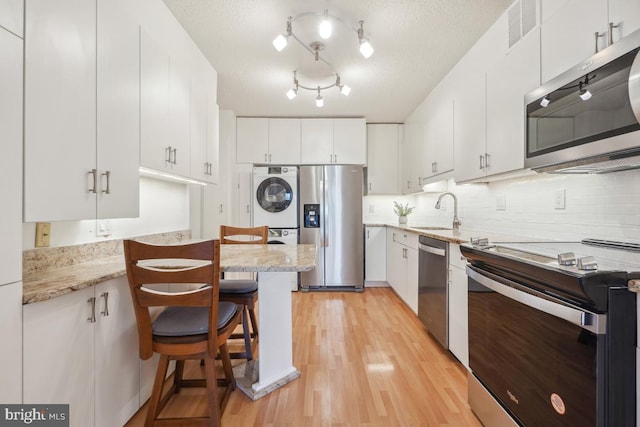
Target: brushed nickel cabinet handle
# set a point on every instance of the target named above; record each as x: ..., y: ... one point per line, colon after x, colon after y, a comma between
x: 248, y: 211
x: 175, y: 156
x: 107, y: 174
x: 481, y: 161
x: 265, y: 157
x: 92, y: 317
x: 611, y: 27
x: 597, y: 36
x: 487, y: 163
x: 94, y: 174
x: 105, y: 312
x: 269, y: 158
x: 167, y: 154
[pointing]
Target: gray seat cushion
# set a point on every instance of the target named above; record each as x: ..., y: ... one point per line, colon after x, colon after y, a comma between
x: 178, y: 321
x: 233, y: 286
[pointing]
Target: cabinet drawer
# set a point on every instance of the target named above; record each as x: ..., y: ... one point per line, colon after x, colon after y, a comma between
x: 455, y: 257
x: 405, y: 238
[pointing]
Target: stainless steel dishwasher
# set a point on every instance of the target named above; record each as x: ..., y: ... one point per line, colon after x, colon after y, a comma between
x: 433, y: 270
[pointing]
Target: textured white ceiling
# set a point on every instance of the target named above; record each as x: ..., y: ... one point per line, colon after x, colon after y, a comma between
x: 416, y: 43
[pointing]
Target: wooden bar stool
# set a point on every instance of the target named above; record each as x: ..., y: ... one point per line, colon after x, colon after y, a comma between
x: 195, y: 325
x: 243, y: 292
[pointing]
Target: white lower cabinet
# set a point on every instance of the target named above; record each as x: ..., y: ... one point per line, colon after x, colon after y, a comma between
x: 375, y: 254
x: 402, y: 265
x: 11, y: 351
x: 458, y: 306
x: 80, y: 355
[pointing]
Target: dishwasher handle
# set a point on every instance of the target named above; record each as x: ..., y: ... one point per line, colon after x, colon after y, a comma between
x: 432, y: 250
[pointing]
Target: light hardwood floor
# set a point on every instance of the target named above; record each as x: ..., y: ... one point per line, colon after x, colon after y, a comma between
x: 365, y: 360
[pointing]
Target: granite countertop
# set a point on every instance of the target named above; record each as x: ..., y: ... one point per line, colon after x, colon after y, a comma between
x: 463, y: 235
x: 44, y: 284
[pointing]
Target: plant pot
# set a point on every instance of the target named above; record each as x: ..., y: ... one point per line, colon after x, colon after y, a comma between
x: 402, y: 220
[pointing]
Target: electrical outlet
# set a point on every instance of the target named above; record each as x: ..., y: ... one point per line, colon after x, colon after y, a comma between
x: 372, y: 209
x: 559, y: 200
x: 103, y: 229
x: 501, y: 202
x: 43, y: 234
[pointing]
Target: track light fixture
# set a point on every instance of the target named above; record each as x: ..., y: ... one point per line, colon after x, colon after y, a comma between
x: 293, y: 92
x: 325, y: 30
x: 581, y: 85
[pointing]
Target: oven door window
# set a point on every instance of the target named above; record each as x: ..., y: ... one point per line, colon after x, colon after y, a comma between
x: 541, y: 368
x: 274, y: 195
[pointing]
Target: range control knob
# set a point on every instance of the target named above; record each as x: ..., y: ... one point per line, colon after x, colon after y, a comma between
x: 567, y: 258
x: 587, y: 263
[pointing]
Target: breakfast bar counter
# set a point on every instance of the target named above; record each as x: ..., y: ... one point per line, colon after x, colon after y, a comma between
x: 257, y: 378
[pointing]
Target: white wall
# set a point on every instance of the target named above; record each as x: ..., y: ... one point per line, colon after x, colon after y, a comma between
x: 164, y: 206
x: 600, y: 206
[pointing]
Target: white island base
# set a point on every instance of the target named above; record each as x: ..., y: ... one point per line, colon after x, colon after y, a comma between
x: 274, y: 366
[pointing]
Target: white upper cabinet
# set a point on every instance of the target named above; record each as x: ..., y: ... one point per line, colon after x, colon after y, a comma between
x: 350, y: 141
x: 12, y: 16
x: 316, y: 146
x: 154, y: 104
x: 284, y: 141
x: 60, y: 177
x: 204, y: 128
x: 520, y: 72
x: 410, y: 157
x: 11, y: 170
x: 252, y: 140
x: 333, y: 141
x: 438, y: 140
x: 382, y: 158
x: 268, y: 141
x: 179, y: 118
x: 470, y: 129
x: 81, y: 111
x: 118, y: 114
x: 569, y: 30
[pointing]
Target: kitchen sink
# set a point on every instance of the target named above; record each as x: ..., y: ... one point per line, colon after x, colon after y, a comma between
x: 431, y: 228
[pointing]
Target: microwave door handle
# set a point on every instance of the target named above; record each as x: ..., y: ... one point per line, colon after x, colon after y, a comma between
x: 592, y: 322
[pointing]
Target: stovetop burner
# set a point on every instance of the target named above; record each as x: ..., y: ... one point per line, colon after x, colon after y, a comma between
x: 577, y: 270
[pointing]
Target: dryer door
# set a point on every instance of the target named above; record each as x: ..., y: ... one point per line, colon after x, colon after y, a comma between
x: 274, y: 194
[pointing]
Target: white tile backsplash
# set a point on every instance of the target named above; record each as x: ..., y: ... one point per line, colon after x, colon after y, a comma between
x: 601, y: 206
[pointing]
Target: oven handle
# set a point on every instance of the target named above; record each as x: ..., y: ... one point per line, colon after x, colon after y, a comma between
x: 593, y: 322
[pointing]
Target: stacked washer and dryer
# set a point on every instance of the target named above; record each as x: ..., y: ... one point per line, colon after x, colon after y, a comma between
x: 275, y: 204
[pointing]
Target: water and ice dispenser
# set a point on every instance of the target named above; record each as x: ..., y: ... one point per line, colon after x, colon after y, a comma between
x: 312, y: 215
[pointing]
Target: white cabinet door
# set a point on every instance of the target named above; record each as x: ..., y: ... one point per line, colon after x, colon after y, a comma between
x: 519, y: 71
x: 440, y: 139
x: 252, y: 140
x: 627, y: 13
x: 213, y: 146
x: 395, y: 263
x: 179, y: 119
x: 350, y: 141
x: 375, y: 254
x: 469, y: 128
x: 11, y: 351
x: 117, y: 365
x: 411, y: 287
x: 154, y: 104
x: 198, y: 131
x: 12, y: 16
x: 316, y: 144
x: 60, y: 110
x: 118, y: 112
x: 59, y: 354
x: 284, y: 141
x: 458, y: 316
x: 11, y: 163
x: 568, y: 35
x: 244, y: 195
x: 411, y: 139
x: 382, y: 158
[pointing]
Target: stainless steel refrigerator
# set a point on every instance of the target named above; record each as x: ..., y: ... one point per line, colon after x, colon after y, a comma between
x: 331, y: 218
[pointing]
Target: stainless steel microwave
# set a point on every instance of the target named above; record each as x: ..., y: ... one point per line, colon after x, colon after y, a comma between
x: 588, y: 118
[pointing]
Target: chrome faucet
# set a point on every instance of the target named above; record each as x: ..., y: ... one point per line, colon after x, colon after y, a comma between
x: 456, y: 221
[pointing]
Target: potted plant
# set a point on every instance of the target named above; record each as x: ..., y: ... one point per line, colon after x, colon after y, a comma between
x: 402, y: 211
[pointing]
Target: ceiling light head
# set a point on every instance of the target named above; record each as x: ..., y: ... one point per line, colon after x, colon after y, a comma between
x: 325, y: 29
x: 282, y: 40
x: 544, y: 102
x: 365, y: 47
x: 292, y: 93
x: 319, y: 100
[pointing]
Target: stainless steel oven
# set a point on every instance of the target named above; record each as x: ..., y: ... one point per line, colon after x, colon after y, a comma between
x: 540, y: 353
